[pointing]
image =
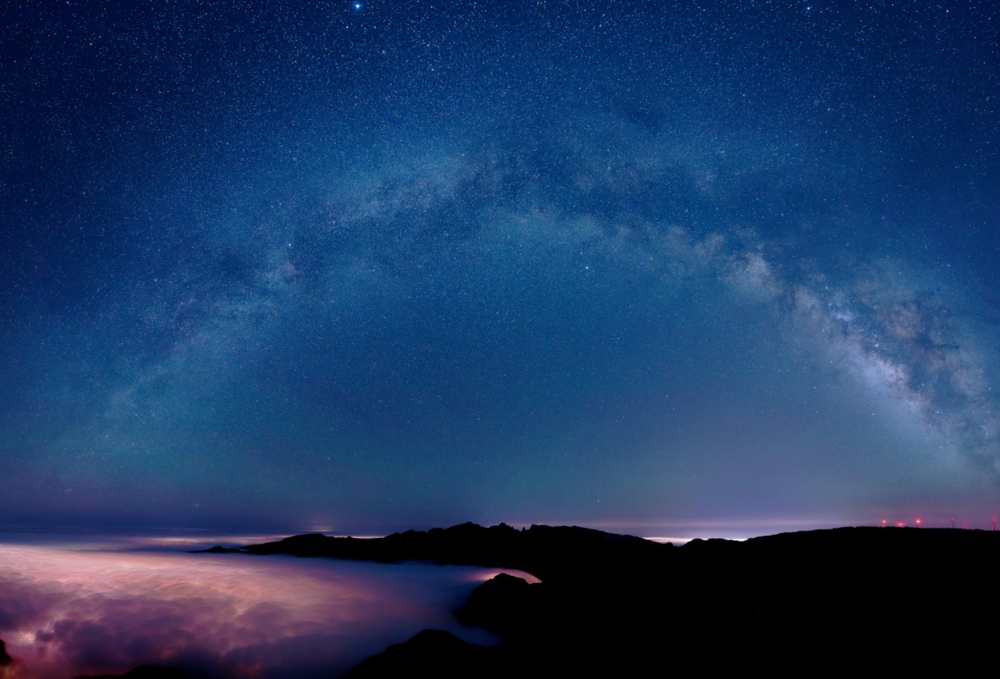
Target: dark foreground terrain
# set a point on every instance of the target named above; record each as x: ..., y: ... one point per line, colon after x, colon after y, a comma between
x: 610, y: 605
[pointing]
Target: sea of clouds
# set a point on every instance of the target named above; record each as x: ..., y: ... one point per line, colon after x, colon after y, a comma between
x: 69, y: 610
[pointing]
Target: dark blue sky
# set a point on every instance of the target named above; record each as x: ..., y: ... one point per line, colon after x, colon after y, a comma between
x: 648, y: 266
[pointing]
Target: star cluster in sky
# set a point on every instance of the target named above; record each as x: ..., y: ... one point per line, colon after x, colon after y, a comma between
x: 368, y: 266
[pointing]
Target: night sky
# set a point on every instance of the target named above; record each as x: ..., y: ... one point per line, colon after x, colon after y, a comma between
x: 368, y: 266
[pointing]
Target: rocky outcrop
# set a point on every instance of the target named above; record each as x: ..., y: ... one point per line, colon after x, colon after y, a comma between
x: 505, y: 605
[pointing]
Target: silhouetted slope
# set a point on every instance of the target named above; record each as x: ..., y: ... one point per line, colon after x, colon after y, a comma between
x: 616, y: 605
x: 431, y: 653
x: 543, y: 551
x: 143, y: 672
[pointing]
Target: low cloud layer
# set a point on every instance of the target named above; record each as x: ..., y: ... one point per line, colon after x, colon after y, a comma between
x: 66, y: 612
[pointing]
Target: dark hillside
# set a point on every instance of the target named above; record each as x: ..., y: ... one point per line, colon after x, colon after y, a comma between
x: 609, y: 604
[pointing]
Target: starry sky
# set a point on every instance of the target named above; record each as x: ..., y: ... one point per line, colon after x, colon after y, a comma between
x: 643, y: 266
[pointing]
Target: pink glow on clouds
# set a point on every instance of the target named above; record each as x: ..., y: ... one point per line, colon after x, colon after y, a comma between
x: 71, y: 611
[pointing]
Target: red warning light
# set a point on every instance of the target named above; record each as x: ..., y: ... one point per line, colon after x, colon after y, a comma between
x: 900, y: 524
x: 918, y: 523
x: 883, y: 523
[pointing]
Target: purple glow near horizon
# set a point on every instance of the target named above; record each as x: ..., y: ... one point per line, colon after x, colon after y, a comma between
x: 67, y: 611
